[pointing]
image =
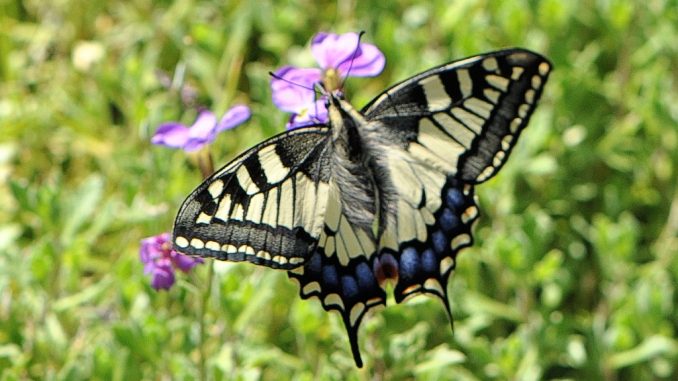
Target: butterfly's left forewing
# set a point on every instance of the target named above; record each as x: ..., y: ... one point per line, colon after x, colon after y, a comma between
x: 464, y: 117
x: 265, y: 207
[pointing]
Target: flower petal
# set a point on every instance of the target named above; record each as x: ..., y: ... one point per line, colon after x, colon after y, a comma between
x: 163, y: 277
x: 147, y: 251
x: 204, y: 126
x: 331, y: 50
x: 202, y: 131
x: 296, y: 88
x: 235, y: 116
x: 184, y: 262
x: 154, y: 248
x: 369, y: 62
x: 315, y: 113
x: 172, y: 134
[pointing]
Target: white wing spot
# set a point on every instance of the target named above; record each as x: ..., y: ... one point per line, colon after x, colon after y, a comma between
x: 224, y: 208
x: 350, y: 238
x: 529, y: 96
x: 296, y: 260
x: 498, y: 82
x: 478, y: 106
x: 460, y: 240
x: 439, y: 144
x: 330, y: 247
x: 216, y: 188
x: 465, y: 82
x: 238, y: 212
x: 356, y: 312
x: 506, y: 142
x: 311, y: 288
x: 342, y: 250
x: 366, y: 242
x: 471, y: 121
x: 515, y: 124
x: 274, y: 169
x: 445, y: 265
x: 492, y: 95
x: 333, y: 211
x: 517, y: 72
x: 212, y: 245
x: 203, y: 218
x: 306, y: 214
x: 198, y: 244
x: 523, y: 109
x: 455, y: 129
x: 420, y: 226
x: 544, y: 68
x: 246, y: 181
x: 181, y: 241
x: 270, y: 216
x: 334, y: 300
x: 255, y: 208
x: 229, y: 249
x: 406, y: 223
x: 433, y: 285
x: 498, y: 158
x: 536, y: 81
x: 280, y: 259
x: 286, y: 206
x: 490, y: 64
x: 388, y: 241
x: 246, y: 249
x: 469, y: 214
x: 264, y: 255
x: 448, y: 165
x: 486, y: 173
x: 436, y: 97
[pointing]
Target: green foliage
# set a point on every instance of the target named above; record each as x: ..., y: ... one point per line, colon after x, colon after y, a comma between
x: 574, y: 270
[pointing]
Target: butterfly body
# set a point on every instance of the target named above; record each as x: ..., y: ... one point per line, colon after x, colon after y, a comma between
x: 385, y: 193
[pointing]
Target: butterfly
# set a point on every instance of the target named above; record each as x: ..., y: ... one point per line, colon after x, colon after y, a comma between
x: 384, y: 194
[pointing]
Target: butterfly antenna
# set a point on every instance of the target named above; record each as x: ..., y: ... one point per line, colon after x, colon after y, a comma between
x: 355, y: 51
x: 276, y: 76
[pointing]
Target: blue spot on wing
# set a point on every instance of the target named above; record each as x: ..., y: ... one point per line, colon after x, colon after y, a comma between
x: 365, y: 276
x: 409, y: 264
x: 448, y: 220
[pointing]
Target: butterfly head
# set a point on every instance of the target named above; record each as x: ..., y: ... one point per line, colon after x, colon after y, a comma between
x: 343, y: 117
x: 332, y: 81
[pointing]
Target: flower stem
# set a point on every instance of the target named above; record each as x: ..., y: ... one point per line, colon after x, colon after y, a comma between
x: 204, y: 161
x: 202, y: 322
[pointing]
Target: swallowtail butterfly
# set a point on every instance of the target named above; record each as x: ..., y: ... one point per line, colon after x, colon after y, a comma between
x: 381, y: 194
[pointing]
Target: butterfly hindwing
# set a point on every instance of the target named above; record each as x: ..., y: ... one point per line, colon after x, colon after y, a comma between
x: 265, y: 207
x: 432, y: 222
x: 464, y: 117
x: 340, y: 272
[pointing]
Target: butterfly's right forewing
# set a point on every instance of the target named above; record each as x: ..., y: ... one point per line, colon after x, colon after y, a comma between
x: 266, y: 207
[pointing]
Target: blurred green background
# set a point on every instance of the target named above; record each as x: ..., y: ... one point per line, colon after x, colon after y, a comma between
x: 574, y: 270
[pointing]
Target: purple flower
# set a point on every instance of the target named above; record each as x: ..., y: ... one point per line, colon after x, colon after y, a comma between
x: 203, y: 131
x: 339, y: 56
x: 160, y: 260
